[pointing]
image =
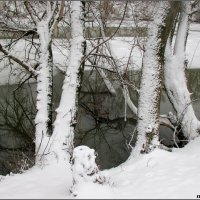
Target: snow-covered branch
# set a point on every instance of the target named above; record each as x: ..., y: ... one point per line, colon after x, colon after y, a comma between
x: 23, y: 64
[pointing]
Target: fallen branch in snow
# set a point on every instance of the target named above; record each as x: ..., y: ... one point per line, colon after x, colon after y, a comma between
x: 164, y: 148
x: 166, y: 122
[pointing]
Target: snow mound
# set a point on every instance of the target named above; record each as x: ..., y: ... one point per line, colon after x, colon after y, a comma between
x: 160, y: 174
x: 84, y: 168
x: 84, y: 161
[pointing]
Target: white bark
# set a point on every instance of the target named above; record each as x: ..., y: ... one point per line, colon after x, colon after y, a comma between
x: 175, y: 79
x: 44, y: 89
x: 107, y: 82
x: 150, y: 88
x: 63, y: 134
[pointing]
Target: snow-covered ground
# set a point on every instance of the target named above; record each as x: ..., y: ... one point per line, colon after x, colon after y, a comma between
x: 160, y: 174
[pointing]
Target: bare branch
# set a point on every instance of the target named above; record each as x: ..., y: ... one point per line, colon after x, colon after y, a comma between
x: 25, y: 65
x: 109, y: 38
x: 59, y: 16
x: 29, y: 12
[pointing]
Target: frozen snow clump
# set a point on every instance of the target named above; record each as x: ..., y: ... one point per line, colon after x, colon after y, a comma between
x: 84, y: 166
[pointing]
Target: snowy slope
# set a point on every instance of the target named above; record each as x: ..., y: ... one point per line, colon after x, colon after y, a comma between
x: 50, y: 182
x: 159, y: 174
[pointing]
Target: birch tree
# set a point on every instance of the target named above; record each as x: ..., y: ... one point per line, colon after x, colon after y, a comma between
x: 151, y: 81
x: 44, y: 26
x: 175, y: 78
x: 43, y: 118
x: 63, y: 134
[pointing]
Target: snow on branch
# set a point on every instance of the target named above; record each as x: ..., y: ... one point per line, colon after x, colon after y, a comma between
x: 25, y: 65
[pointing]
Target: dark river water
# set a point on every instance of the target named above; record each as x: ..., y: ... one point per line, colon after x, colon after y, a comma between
x: 101, y: 121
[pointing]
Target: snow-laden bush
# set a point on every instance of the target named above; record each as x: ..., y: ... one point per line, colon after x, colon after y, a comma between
x: 84, y: 166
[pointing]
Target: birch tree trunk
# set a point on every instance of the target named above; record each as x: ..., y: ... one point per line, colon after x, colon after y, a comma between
x: 175, y: 78
x: 63, y: 134
x: 151, y: 82
x: 44, y: 73
x: 43, y: 118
